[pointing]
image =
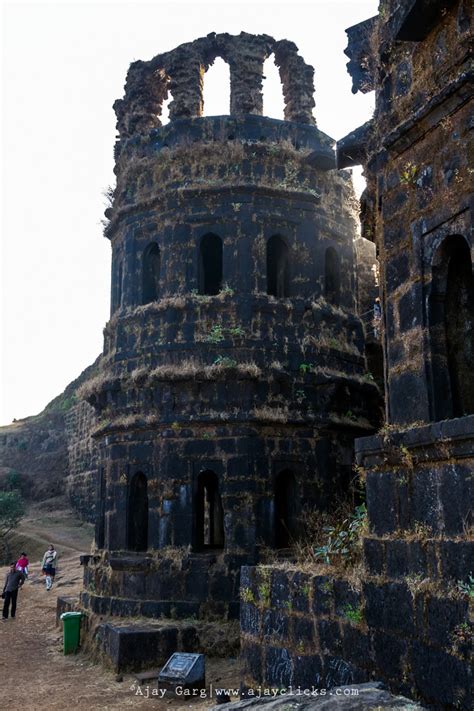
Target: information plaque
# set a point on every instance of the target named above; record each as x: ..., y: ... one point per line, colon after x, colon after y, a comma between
x: 183, y: 669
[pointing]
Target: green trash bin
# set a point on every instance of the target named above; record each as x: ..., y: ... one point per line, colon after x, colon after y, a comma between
x: 72, y: 631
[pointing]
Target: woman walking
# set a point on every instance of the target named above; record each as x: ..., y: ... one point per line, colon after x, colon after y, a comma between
x: 48, y: 566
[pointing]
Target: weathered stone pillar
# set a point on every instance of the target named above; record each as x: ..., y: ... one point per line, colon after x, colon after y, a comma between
x: 245, y: 55
x: 146, y: 89
x: 186, y: 72
x: 298, y: 85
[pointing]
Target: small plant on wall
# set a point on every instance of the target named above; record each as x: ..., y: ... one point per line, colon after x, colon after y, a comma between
x: 246, y: 595
x: 343, y: 540
x: 408, y: 174
x: 467, y: 587
x: 354, y: 614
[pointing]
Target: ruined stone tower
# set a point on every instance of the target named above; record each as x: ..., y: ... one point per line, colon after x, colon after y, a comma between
x: 233, y: 377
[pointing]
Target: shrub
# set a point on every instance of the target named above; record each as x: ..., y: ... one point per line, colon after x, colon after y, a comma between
x: 343, y: 539
x: 354, y: 614
x: 467, y: 588
x: 12, y: 510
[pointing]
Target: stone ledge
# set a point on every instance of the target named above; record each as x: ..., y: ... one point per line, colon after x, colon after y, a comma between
x: 135, y: 646
x: 458, y: 433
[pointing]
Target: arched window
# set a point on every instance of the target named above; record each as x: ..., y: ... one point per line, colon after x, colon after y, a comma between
x: 209, y: 512
x: 210, y: 264
x: 286, y: 509
x: 118, y: 292
x: 151, y: 273
x: 278, y: 272
x: 273, y: 101
x: 216, y: 91
x: 451, y: 327
x: 138, y: 513
x: 332, y: 277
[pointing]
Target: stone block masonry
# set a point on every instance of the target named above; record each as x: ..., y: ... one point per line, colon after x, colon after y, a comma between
x: 406, y: 618
x: 233, y: 380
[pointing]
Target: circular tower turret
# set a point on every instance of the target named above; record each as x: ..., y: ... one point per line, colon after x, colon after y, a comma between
x: 233, y: 376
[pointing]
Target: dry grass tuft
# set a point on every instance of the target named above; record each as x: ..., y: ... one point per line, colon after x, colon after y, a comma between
x: 194, y: 369
x: 271, y: 414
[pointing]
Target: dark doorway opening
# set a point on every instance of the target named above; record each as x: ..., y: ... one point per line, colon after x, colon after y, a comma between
x: 210, y: 265
x: 209, y: 512
x: 138, y: 513
x: 286, y: 509
x: 278, y: 271
x: 151, y: 273
x: 451, y: 322
x: 332, y: 277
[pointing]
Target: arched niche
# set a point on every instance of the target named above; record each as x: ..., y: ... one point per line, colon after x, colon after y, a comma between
x: 209, y: 518
x: 286, y: 509
x: 119, y: 285
x: 137, y: 519
x: 451, y: 329
x: 151, y: 267
x: 332, y: 276
x: 210, y: 264
x: 278, y: 267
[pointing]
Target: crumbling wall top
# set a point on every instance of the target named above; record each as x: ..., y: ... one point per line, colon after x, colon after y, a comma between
x: 180, y: 72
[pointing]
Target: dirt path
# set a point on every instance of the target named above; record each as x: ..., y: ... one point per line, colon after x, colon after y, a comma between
x: 34, y: 674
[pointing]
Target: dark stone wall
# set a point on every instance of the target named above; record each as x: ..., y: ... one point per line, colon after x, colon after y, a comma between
x: 418, y: 197
x: 367, y: 279
x: 406, y: 617
x: 172, y: 583
x: 418, y: 556
x: 403, y: 618
x: 310, y: 630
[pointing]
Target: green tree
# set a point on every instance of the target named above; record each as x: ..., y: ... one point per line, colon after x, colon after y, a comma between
x: 12, y: 510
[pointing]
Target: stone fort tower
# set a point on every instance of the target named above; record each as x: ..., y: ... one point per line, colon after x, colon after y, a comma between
x: 233, y: 377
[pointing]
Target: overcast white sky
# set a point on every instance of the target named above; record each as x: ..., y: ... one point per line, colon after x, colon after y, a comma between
x: 63, y: 65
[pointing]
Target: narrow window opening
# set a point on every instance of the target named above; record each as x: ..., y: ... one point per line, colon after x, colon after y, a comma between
x: 332, y: 277
x: 151, y: 273
x: 209, y: 512
x: 118, y: 302
x: 216, y: 93
x: 210, y: 265
x: 138, y: 513
x: 286, y: 509
x: 451, y: 319
x: 273, y: 100
x: 278, y: 273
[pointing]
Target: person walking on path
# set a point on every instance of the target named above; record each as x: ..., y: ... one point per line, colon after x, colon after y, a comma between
x: 22, y: 564
x: 48, y: 566
x: 13, y: 583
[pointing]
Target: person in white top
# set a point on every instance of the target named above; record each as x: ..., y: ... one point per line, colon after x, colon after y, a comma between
x: 49, y: 565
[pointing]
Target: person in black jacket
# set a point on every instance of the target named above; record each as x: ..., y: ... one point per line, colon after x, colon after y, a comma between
x: 13, y: 583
